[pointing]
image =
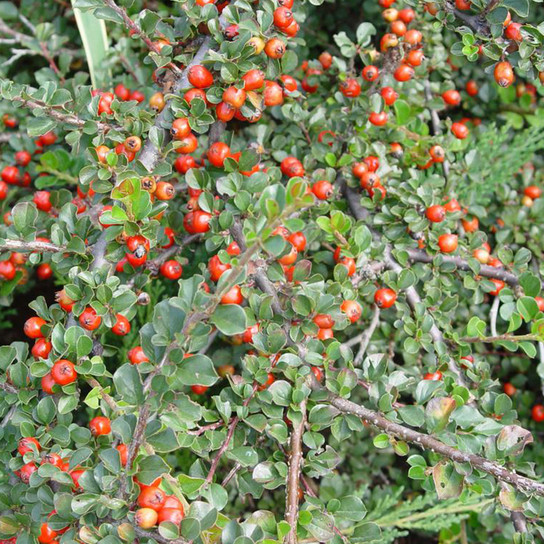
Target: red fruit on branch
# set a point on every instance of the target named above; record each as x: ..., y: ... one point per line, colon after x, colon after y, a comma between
x: 448, y: 243
x: 89, y: 319
x: 385, y: 298
x: 370, y: 73
x: 504, y: 74
x: 33, y: 326
x: 537, y: 413
x: 136, y: 356
x: 200, y: 77
x: 436, y: 213
x: 63, y: 372
x: 350, y: 88
x: 197, y: 222
x: 27, y: 445
x: 100, y: 425
x: 352, y: 309
x: 121, y: 326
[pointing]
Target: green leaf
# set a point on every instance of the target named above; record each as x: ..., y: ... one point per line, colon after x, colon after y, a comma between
x: 24, y: 215
x: 521, y: 7
x: 402, y: 111
x: 527, y: 307
x: 197, y: 370
x: 530, y: 283
x: 230, y: 319
x: 351, y: 508
x: 128, y: 384
x: 381, y: 441
x: 37, y: 126
x: 364, y: 33
x: 448, y: 482
x: 366, y: 534
x: 151, y: 468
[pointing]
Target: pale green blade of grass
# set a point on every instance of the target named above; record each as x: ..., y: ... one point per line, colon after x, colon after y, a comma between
x: 95, y: 42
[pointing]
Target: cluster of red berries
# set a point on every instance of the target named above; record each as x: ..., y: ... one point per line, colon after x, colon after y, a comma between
x: 365, y: 172
x: 16, y: 174
x: 156, y: 507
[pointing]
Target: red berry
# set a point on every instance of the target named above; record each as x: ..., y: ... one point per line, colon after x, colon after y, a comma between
x: 32, y: 327
x: 41, y: 348
x: 537, y: 413
x: 100, y: 425
x: 136, y: 356
x: 436, y: 213
x: 459, y: 130
x: 26, y: 471
x: 451, y: 97
x: 197, y: 222
x: 64, y: 372
x: 350, y: 88
x: 199, y: 389
x: 25, y: 445
x: 447, y: 243
x: 200, y: 77
x: 89, y: 319
x: 121, y: 326
x: 385, y: 298
x: 7, y: 270
x: 44, y: 271
x: 171, y: 270
x: 23, y: 158
x: 352, y: 309
x: 47, y: 383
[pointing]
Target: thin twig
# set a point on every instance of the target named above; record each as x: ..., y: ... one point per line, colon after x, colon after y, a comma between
x: 137, y: 29
x: 521, y: 483
x: 107, y: 398
x: 293, y: 476
x: 36, y: 245
x: 366, y: 336
x: 435, y: 121
x: 499, y: 338
x: 57, y: 115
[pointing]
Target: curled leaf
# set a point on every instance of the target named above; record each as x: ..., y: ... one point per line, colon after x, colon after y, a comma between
x: 447, y: 481
x: 512, y: 439
x: 438, y: 411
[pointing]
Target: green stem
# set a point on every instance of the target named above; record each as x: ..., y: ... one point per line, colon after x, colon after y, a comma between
x: 456, y: 508
x: 61, y: 175
x: 501, y: 338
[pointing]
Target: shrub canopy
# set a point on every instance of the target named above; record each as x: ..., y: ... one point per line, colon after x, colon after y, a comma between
x: 284, y: 265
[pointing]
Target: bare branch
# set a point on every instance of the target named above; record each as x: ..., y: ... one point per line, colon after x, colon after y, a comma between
x: 36, y: 245
x: 150, y: 154
x: 293, y: 476
x: 521, y: 483
x: 134, y: 446
x: 500, y: 338
x: 8, y: 388
x: 137, y: 29
x: 493, y: 314
x: 366, y: 336
x: 421, y: 256
x: 477, y: 23
x: 215, y: 463
x: 58, y: 115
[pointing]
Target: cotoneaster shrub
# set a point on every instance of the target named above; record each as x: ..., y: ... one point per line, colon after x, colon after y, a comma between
x: 285, y: 269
